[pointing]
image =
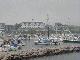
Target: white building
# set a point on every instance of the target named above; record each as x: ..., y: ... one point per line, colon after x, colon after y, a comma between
x: 2, y: 27
x: 32, y: 25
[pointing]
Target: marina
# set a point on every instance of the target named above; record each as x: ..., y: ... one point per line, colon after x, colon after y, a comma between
x: 23, y: 46
x: 39, y: 29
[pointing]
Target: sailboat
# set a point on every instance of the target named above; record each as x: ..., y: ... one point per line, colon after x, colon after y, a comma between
x: 71, y: 38
x: 46, y: 40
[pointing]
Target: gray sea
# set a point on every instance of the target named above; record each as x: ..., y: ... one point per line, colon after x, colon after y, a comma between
x: 70, y: 56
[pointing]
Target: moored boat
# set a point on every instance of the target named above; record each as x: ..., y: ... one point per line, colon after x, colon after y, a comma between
x: 42, y: 41
x: 72, y: 39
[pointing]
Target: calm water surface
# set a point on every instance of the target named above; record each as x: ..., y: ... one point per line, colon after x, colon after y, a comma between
x: 70, y: 56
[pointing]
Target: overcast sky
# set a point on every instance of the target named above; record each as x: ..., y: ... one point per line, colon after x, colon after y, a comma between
x: 16, y: 11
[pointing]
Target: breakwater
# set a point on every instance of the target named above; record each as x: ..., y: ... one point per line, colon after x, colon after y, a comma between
x: 40, y: 52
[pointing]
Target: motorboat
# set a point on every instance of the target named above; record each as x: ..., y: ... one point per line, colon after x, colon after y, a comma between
x: 42, y: 41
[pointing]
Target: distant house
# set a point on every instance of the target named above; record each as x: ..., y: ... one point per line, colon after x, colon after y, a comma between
x: 2, y: 27
x: 9, y: 28
x: 60, y: 28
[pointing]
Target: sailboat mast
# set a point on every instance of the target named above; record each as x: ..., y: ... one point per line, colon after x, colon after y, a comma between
x: 48, y: 32
x: 47, y: 26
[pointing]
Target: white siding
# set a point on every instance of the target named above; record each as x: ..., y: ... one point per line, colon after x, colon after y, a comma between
x: 32, y: 25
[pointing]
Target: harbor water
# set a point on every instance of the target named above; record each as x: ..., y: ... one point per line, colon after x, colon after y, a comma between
x: 70, y: 56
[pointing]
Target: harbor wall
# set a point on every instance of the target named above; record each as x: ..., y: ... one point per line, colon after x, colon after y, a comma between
x: 40, y: 52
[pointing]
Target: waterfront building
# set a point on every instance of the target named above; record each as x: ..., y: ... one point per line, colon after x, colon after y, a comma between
x: 9, y: 28
x: 2, y: 27
x: 32, y: 25
x: 60, y: 28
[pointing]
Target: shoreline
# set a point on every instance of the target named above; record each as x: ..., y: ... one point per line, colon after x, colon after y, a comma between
x: 40, y: 52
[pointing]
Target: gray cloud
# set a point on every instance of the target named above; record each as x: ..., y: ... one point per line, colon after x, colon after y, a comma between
x: 15, y: 11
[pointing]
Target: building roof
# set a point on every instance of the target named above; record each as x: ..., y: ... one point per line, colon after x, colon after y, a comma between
x: 32, y: 22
